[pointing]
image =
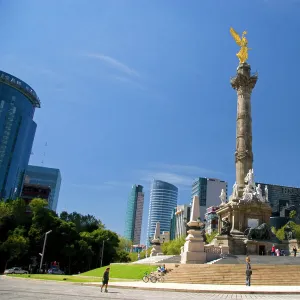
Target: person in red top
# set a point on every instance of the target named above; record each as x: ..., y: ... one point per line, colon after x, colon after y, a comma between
x: 273, y: 250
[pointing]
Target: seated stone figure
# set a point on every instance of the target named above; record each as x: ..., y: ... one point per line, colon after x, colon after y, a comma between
x: 289, y: 233
x: 226, y: 227
x: 261, y: 232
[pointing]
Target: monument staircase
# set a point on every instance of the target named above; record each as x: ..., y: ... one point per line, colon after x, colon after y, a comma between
x: 276, y: 272
x: 156, y: 259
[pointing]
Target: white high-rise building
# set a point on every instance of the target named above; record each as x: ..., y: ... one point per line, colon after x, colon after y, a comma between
x: 182, y: 218
x: 208, y: 190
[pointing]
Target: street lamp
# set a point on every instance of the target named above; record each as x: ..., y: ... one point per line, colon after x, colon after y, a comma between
x: 103, y: 252
x: 42, y: 254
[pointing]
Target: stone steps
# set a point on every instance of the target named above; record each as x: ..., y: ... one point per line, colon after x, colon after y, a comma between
x: 235, y: 274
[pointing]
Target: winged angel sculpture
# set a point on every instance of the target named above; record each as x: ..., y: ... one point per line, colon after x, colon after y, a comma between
x: 243, y: 43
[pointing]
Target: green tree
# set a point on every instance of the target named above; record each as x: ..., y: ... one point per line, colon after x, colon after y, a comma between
x: 210, y: 237
x: 292, y: 214
x: 83, y: 223
x: 280, y: 232
x: 75, y: 241
x: 173, y: 247
x: 124, y: 244
x: 15, y: 246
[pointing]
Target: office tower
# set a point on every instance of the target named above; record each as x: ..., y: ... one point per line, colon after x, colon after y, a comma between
x: 17, y: 130
x: 212, y: 220
x: 282, y: 199
x: 43, y: 177
x: 134, y: 215
x: 179, y: 219
x: 32, y: 191
x: 208, y: 190
x: 163, y: 199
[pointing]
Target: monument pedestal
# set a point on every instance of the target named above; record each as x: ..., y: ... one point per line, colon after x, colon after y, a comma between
x: 254, y: 247
x: 193, y: 250
x: 156, y: 250
x: 289, y: 245
x: 243, y: 215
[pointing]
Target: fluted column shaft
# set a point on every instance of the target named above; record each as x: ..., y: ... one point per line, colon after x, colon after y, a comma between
x: 243, y: 83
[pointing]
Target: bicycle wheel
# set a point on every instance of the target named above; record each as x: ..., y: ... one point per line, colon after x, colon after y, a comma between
x: 145, y: 278
x: 161, y: 279
x: 153, y: 279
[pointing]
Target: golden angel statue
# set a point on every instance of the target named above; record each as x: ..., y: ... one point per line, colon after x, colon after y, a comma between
x: 243, y: 43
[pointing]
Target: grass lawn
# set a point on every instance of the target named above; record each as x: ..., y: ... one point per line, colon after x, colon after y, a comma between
x: 126, y: 271
x: 118, y: 272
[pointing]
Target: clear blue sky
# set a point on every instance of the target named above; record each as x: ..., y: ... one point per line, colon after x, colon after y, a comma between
x: 132, y: 90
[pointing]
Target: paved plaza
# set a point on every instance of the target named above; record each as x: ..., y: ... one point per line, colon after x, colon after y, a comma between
x: 19, y: 289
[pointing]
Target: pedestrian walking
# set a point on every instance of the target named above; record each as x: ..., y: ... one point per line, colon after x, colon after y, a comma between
x: 273, y: 250
x: 248, y: 271
x: 105, y: 280
x: 295, y: 251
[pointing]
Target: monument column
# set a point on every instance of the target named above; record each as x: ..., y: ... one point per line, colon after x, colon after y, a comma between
x: 243, y: 83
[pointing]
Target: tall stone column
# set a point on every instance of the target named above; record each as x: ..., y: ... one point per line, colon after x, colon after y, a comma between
x: 243, y: 83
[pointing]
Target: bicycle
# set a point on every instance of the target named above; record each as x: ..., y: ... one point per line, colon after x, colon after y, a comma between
x: 159, y: 277
x: 150, y: 277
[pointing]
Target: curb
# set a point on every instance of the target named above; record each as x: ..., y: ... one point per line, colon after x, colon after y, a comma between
x: 199, y: 291
x: 43, y: 280
x: 169, y: 289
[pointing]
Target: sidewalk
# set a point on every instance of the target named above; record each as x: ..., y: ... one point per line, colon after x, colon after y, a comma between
x: 204, y: 288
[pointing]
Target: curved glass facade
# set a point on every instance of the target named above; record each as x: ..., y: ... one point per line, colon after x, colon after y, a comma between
x: 163, y: 200
x: 17, y: 130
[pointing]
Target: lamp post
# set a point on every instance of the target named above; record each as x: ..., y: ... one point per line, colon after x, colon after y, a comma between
x: 103, y: 252
x: 42, y: 255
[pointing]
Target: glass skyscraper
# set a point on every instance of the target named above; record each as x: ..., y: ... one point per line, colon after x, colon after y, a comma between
x: 208, y: 190
x: 45, y: 177
x: 163, y: 200
x: 17, y: 130
x: 134, y: 215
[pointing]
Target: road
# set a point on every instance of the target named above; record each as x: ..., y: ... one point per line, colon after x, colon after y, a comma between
x: 19, y: 289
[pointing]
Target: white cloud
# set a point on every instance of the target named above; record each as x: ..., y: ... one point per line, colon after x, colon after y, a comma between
x: 186, y: 169
x: 115, y: 64
x: 180, y: 175
x: 129, y: 81
x: 173, y: 178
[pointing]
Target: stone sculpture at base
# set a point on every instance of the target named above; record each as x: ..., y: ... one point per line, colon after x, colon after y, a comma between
x: 156, y: 248
x: 193, y: 249
x: 223, y: 197
x: 238, y: 216
x: 226, y: 227
x: 261, y: 232
x: 289, y: 233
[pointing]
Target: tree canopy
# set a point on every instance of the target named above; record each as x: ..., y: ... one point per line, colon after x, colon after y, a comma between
x: 76, y: 241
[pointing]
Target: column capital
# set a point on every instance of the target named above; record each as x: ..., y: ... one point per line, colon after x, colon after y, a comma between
x: 243, y: 84
x: 244, y: 81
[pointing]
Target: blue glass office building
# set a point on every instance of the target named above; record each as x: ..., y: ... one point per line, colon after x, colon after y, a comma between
x: 163, y: 200
x: 45, y: 177
x: 17, y: 130
x: 134, y: 215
